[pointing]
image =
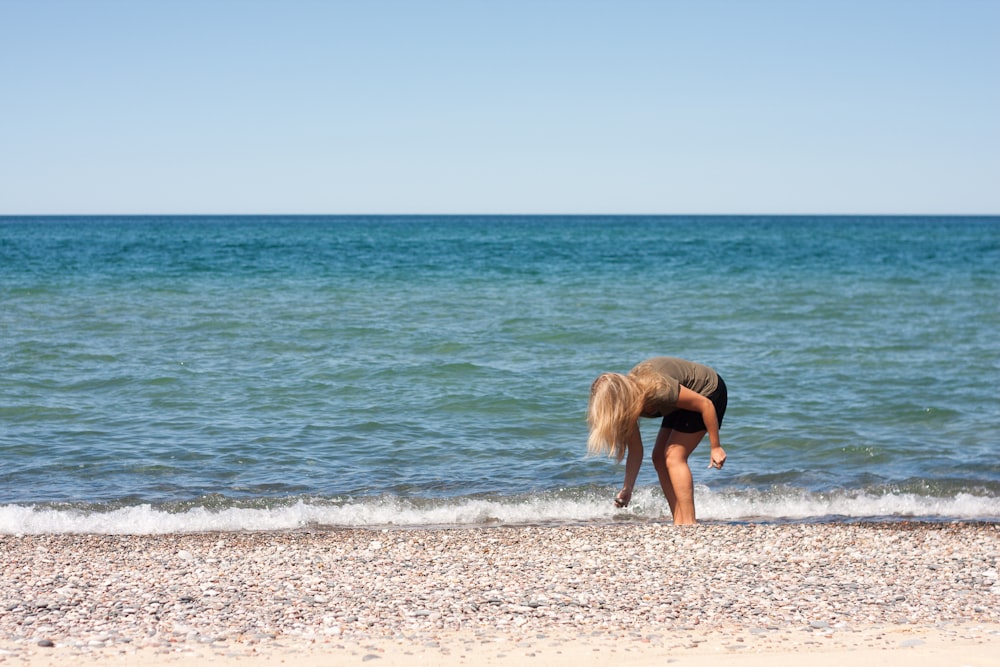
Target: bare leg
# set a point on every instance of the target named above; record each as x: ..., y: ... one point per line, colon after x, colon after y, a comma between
x: 670, y: 458
x: 660, y: 464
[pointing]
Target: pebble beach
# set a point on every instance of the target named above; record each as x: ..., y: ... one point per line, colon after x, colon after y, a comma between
x: 607, y: 593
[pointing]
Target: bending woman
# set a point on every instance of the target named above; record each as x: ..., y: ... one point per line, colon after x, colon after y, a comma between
x: 691, y: 399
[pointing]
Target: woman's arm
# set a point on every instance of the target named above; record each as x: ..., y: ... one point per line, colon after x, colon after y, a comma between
x: 633, y: 461
x: 692, y: 400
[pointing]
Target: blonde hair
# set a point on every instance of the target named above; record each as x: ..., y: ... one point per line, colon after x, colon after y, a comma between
x: 616, y: 402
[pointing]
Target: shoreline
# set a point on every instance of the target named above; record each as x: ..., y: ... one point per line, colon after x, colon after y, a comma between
x: 501, y: 595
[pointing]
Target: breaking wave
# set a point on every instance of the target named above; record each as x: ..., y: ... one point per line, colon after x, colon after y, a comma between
x: 556, y: 507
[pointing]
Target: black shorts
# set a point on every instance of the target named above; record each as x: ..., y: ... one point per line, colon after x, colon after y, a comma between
x: 687, y: 421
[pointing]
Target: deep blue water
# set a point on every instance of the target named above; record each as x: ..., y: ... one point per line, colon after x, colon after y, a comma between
x: 255, y: 372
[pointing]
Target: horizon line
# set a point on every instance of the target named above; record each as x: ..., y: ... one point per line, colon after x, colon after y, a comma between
x: 499, y: 215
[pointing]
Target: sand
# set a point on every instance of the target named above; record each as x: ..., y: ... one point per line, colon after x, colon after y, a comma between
x: 627, y: 593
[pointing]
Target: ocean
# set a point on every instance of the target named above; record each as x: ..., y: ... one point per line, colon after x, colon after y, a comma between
x: 174, y: 374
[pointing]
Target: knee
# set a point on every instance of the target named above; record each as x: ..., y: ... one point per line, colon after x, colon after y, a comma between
x: 676, y: 456
x: 659, y: 460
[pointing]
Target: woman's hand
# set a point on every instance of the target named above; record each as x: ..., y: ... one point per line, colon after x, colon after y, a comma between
x: 633, y: 461
x: 718, y: 458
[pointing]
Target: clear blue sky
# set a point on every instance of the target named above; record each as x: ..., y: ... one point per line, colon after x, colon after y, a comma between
x: 545, y: 106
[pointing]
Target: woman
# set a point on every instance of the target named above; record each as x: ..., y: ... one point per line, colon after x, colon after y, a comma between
x: 691, y: 399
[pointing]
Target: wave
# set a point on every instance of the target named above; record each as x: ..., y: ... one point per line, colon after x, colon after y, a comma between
x: 559, y: 507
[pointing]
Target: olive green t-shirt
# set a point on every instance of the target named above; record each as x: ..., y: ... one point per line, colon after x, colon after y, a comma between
x: 675, y: 373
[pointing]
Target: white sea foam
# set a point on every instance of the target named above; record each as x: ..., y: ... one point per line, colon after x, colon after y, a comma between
x: 804, y: 506
x: 647, y: 505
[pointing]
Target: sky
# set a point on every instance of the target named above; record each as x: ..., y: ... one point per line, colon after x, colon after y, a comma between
x: 499, y: 107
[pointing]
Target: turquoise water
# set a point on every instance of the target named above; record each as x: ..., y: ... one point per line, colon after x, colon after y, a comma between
x: 170, y: 374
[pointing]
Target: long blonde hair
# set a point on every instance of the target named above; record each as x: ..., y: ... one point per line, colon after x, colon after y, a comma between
x: 616, y: 402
